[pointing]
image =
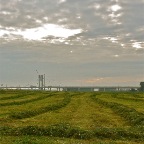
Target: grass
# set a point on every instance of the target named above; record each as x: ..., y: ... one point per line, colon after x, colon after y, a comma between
x: 134, y: 117
x: 31, y: 113
x: 57, y: 140
x: 31, y: 106
x: 81, y: 111
x: 127, y: 99
x: 71, y: 117
x: 25, y: 99
x: 12, y: 94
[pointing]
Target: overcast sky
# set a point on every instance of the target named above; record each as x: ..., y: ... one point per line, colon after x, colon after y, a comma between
x: 72, y: 42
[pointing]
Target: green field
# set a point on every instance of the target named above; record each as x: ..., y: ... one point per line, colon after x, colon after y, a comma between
x: 42, y: 117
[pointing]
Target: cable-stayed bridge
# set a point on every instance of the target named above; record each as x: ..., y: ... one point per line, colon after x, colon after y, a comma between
x: 74, y: 88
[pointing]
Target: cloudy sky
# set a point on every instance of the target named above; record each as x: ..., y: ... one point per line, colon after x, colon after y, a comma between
x: 72, y: 42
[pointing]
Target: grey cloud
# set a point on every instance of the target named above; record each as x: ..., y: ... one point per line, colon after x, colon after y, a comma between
x: 86, y: 54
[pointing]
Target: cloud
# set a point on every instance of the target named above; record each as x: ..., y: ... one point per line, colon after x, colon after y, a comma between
x: 114, y: 8
x: 112, y: 39
x: 73, y: 32
x: 61, y: 1
x: 137, y: 45
x: 40, y: 32
x: 92, y: 80
x: 111, y: 81
x: 116, y: 56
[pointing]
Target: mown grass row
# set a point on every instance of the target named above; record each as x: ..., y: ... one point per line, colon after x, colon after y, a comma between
x: 130, y: 114
x: 8, y: 110
x: 138, y: 95
x: 25, y: 101
x: 81, y: 111
x: 67, y: 131
x: 31, y: 113
x: 16, y: 96
x: 137, y: 105
x: 124, y: 97
x: 7, y: 91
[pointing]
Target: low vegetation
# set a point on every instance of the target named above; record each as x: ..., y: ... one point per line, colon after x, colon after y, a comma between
x: 71, y: 117
x: 134, y: 117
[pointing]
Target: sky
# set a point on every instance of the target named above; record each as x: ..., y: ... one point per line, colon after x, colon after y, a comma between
x: 72, y: 42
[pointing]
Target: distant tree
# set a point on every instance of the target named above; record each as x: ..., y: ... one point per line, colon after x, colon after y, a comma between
x: 142, y: 86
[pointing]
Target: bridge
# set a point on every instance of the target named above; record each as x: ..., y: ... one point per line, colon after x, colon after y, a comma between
x: 74, y: 88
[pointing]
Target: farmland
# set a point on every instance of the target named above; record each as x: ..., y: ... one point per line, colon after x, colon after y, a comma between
x: 41, y: 117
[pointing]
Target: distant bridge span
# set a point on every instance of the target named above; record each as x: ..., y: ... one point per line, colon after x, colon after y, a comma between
x: 74, y: 88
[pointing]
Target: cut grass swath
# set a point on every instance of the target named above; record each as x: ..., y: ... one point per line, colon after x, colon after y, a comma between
x: 67, y: 131
x: 24, y: 102
x: 31, y: 113
x: 130, y: 114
